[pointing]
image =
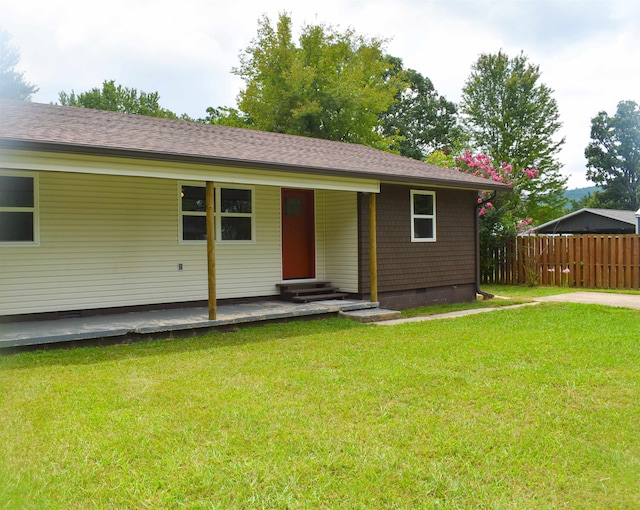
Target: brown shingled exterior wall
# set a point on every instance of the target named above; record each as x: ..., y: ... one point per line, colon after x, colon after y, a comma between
x: 415, y: 274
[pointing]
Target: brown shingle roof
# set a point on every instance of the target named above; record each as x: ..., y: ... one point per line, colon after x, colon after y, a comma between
x: 68, y: 129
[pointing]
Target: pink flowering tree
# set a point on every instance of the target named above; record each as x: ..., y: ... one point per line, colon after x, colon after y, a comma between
x: 504, y: 216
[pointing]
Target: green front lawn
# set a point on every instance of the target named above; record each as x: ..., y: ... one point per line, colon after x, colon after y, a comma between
x: 525, y: 291
x: 534, y: 407
x: 455, y: 307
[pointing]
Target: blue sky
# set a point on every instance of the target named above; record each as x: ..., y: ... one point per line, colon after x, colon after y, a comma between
x: 588, y: 50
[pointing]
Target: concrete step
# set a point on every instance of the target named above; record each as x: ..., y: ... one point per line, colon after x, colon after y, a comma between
x: 311, y: 290
x: 317, y: 297
x: 286, y: 287
x: 306, y: 292
x: 371, y: 315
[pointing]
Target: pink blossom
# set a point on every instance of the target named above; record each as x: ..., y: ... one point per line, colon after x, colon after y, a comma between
x: 482, y: 166
x: 525, y: 222
x: 489, y: 205
x: 482, y: 211
x: 566, y: 271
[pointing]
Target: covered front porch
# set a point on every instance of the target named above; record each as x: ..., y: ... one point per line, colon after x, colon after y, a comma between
x: 114, y: 233
x: 177, y: 322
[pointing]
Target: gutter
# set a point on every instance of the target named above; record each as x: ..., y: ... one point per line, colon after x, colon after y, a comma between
x: 486, y: 295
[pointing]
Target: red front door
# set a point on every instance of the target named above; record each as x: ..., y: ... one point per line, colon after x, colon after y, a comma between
x: 298, y: 234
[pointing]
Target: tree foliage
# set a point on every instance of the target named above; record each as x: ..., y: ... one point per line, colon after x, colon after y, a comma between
x: 502, y: 215
x: 441, y: 158
x: 330, y: 84
x: 117, y: 98
x: 613, y: 157
x: 588, y: 200
x: 512, y: 117
x: 12, y: 83
x: 424, y: 120
x: 225, y: 116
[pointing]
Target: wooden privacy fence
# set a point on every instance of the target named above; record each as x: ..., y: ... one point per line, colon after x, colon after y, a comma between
x: 587, y: 261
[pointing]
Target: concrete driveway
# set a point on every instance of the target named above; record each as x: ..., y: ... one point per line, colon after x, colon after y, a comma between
x: 596, y: 298
x: 587, y: 298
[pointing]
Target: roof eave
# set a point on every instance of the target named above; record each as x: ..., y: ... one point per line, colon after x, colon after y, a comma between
x: 447, y: 183
x: 561, y: 218
x: 581, y: 211
x: 64, y: 148
x: 609, y: 217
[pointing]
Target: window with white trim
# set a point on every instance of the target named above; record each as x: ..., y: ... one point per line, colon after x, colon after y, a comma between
x: 423, y: 216
x: 233, y: 210
x: 235, y: 213
x: 18, y: 208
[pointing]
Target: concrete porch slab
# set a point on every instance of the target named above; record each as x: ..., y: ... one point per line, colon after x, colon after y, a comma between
x: 149, y: 323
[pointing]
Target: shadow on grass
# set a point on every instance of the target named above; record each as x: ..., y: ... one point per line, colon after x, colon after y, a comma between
x: 104, y: 351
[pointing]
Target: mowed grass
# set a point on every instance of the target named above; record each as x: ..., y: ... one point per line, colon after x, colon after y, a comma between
x: 535, y: 407
x: 421, y: 311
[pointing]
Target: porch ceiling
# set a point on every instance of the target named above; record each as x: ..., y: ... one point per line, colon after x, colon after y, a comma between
x: 198, y: 172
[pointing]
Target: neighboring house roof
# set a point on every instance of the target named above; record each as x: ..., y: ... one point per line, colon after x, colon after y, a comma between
x: 590, y: 220
x: 34, y: 126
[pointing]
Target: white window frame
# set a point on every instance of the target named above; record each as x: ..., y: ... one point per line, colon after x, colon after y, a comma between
x: 182, y: 213
x: 415, y: 216
x: 217, y: 214
x: 35, y: 210
x: 220, y: 215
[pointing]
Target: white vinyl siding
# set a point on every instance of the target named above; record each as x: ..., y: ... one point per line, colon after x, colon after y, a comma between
x: 108, y: 241
x: 338, y: 238
x: 111, y: 241
x: 252, y: 269
x: 320, y: 235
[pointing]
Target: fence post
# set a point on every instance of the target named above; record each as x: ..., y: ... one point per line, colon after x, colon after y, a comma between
x: 619, y: 262
x: 635, y: 263
x: 579, y: 261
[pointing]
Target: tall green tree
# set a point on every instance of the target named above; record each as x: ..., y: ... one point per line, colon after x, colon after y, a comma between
x: 117, y: 98
x: 613, y: 156
x: 12, y: 83
x: 424, y: 120
x: 328, y: 84
x: 512, y: 117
